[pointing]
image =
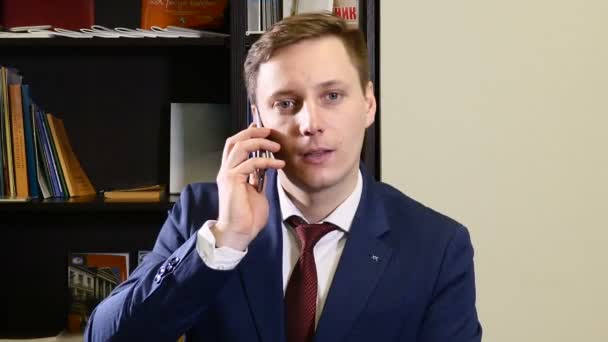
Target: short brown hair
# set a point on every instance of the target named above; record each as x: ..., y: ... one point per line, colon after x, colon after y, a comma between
x: 294, y: 29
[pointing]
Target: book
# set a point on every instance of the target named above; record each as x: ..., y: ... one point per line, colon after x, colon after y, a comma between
x: 30, y: 144
x: 91, y: 278
x: 306, y: 6
x: 43, y: 169
x: 29, y: 28
x: 13, y: 199
x: 3, y: 156
x: 69, y: 14
x: 19, y: 154
x: 207, y: 14
x: 289, y: 8
x: 8, y: 76
x: 197, y: 136
x: 47, y: 156
x: 63, y: 188
x: 33, y: 34
x: 61, y: 33
x: 151, y: 193
x: 347, y: 10
x: 269, y: 13
x: 253, y: 16
x: 76, y: 179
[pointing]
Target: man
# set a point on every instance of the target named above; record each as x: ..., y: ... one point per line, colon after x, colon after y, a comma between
x: 235, y: 264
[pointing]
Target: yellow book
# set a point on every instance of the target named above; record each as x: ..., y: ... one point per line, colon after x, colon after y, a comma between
x: 11, y: 191
x: 76, y: 179
x: 19, y: 156
x: 152, y: 193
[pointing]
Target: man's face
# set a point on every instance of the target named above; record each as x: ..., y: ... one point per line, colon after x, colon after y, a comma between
x: 310, y: 95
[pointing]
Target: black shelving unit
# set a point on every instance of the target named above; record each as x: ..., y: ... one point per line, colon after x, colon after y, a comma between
x: 114, y: 97
x: 111, y: 42
x: 92, y: 205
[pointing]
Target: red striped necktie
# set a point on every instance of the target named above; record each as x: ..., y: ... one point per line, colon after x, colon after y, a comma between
x: 301, y: 293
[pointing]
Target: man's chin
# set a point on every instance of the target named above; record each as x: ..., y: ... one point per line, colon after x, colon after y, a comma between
x: 311, y: 182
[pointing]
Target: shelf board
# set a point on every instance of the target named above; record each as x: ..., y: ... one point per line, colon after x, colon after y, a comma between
x: 88, y: 204
x: 111, y: 42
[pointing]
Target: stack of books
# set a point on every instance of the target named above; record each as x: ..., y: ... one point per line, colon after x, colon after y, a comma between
x: 36, y: 157
x: 262, y: 14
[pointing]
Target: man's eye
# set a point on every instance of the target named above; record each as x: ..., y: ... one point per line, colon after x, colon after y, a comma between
x: 333, y: 96
x: 287, y: 104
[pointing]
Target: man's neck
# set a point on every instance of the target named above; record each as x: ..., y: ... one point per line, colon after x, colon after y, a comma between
x: 317, y: 205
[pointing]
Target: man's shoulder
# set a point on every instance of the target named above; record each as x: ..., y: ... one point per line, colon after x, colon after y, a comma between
x: 198, y: 196
x: 198, y: 190
x: 197, y: 203
x: 408, y: 214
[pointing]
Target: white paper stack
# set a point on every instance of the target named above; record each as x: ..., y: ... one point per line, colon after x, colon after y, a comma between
x: 198, y: 134
x: 118, y: 32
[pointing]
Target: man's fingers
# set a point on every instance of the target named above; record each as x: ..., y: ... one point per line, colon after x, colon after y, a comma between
x: 250, y: 166
x: 249, y: 133
x: 241, y: 150
x: 253, y: 179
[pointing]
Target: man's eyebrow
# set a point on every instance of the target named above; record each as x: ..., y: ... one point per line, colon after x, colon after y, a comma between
x: 323, y: 85
x: 281, y: 93
x: 330, y: 83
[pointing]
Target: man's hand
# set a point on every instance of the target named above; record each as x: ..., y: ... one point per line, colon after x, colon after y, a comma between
x: 243, y: 211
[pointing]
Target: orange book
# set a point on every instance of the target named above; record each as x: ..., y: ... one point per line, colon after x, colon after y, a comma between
x: 152, y: 193
x: 76, y: 179
x: 19, y: 157
x: 195, y: 14
x: 119, y: 262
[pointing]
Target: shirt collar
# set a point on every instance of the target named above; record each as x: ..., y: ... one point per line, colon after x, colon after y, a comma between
x: 342, y: 216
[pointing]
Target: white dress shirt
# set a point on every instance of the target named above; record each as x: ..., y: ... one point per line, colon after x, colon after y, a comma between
x: 327, y: 251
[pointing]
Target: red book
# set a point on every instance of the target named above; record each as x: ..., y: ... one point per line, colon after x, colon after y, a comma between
x: 67, y: 14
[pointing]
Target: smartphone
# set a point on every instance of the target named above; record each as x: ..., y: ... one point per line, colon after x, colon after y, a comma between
x: 260, y: 173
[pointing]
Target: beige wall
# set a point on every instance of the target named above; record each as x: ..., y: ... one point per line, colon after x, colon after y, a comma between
x: 496, y: 113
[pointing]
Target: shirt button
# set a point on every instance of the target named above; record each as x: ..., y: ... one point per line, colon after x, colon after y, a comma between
x: 158, y: 278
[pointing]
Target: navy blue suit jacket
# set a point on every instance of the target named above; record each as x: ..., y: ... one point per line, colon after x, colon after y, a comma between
x: 406, y: 274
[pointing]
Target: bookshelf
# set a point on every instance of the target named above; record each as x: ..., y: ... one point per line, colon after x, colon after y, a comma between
x: 95, y: 42
x: 114, y: 96
x: 92, y: 205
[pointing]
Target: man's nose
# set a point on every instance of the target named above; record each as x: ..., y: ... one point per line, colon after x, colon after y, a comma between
x: 311, y: 122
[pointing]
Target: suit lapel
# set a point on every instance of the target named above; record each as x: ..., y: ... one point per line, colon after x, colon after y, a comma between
x: 261, y: 272
x: 363, y: 260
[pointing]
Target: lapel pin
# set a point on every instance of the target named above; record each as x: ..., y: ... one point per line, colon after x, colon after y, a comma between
x: 375, y: 258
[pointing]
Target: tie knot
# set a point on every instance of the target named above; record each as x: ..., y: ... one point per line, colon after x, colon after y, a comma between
x: 309, y: 234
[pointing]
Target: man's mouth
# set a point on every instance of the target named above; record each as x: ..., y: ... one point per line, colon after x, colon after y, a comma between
x: 317, y: 156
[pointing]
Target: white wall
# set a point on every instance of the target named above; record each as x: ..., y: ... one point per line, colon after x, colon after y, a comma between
x: 496, y: 113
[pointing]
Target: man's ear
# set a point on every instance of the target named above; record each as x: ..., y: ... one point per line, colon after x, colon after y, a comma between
x: 370, y: 101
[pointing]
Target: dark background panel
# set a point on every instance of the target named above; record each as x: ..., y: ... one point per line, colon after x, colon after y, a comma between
x: 35, y: 249
x: 115, y: 102
x: 118, y: 13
